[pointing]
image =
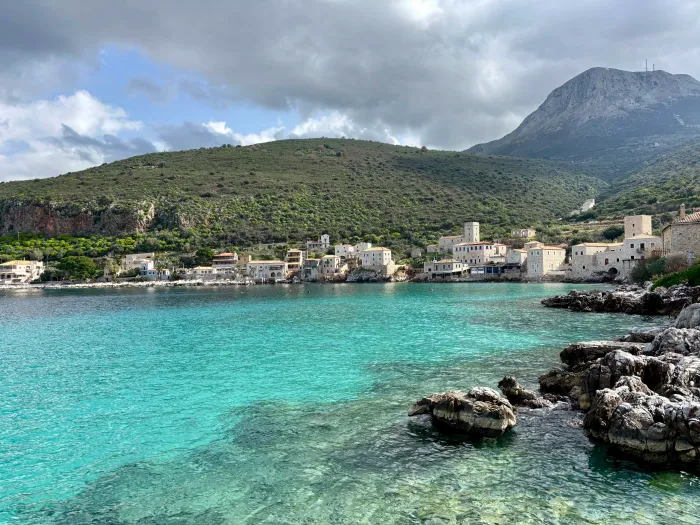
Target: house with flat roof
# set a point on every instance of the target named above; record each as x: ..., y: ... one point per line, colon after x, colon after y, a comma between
x: 479, y: 253
x: 20, y: 271
x: 545, y: 260
x: 267, y: 269
x: 444, y: 268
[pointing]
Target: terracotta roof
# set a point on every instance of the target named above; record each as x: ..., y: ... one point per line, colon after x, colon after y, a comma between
x: 377, y: 249
x: 15, y: 263
x: 267, y: 262
x: 225, y: 255
x: 691, y: 217
x: 452, y: 236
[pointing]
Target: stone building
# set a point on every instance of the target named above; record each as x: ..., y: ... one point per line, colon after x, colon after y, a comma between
x: 516, y: 256
x: 471, y: 234
x: 524, y: 233
x: 682, y: 236
x: 545, y: 260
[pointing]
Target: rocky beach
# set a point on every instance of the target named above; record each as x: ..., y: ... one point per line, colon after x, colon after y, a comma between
x: 639, y: 393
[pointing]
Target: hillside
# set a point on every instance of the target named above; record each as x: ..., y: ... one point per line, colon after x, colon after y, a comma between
x: 659, y: 187
x: 607, y: 122
x: 293, y: 190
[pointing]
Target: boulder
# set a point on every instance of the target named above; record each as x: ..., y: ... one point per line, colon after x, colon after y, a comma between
x: 684, y: 341
x: 589, y: 351
x: 559, y: 381
x: 520, y: 396
x: 689, y: 317
x: 643, y: 425
x: 481, y: 411
x: 642, y: 335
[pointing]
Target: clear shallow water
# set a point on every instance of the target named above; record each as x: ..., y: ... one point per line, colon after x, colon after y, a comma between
x: 288, y: 405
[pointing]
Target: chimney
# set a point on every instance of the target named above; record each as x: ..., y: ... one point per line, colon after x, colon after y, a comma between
x: 681, y: 212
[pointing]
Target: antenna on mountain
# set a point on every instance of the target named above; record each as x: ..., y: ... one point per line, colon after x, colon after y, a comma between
x: 653, y: 67
x: 646, y: 65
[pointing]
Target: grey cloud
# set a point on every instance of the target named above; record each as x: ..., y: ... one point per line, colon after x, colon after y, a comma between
x: 464, y: 77
x: 143, y: 86
x: 190, y: 135
x: 93, y: 150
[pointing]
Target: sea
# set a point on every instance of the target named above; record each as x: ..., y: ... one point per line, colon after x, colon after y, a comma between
x: 287, y: 404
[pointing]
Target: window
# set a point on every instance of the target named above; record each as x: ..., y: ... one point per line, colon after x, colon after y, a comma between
x: 607, y: 261
x: 632, y: 246
x: 584, y: 267
x: 641, y: 247
x: 633, y: 257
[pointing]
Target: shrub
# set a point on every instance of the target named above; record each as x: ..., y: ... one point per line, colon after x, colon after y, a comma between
x: 647, y: 269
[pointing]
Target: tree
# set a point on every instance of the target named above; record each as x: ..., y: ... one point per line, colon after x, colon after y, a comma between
x: 613, y: 232
x: 204, y: 256
x: 77, y: 267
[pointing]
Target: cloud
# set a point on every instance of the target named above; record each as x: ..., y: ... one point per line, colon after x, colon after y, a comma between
x: 450, y: 72
x: 48, y: 137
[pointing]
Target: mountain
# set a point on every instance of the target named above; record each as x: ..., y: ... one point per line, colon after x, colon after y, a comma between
x: 607, y: 122
x: 293, y: 190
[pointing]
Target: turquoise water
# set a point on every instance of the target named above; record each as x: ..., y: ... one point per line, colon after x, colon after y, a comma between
x: 287, y: 405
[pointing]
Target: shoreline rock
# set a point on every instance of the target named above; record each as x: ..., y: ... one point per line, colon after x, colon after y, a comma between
x: 641, y: 395
x: 481, y: 411
x: 628, y: 299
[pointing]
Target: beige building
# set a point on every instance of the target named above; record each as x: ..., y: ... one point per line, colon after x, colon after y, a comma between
x: 432, y: 248
x: 596, y: 259
x: 444, y: 268
x: 682, y: 236
x: 479, y: 253
x: 294, y: 260
x: 471, y: 234
x: 524, y: 233
x: 267, y: 269
x: 378, y: 259
x: 616, y: 260
x: 310, y: 269
x: 18, y: 272
x: 331, y: 266
x: 545, y: 260
x: 133, y: 261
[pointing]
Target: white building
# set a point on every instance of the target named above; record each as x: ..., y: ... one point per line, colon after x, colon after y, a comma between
x: 18, y: 272
x: 379, y: 256
x: 294, y: 260
x: 545, y: 260
x: 331, y: 266
x: 147, y: 270
x: 479, y: 253
x: 444, y: 268
x: 350, y: 251
x: 267, y: 269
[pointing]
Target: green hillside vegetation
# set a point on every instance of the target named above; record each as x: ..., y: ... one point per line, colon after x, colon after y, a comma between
x: 658, y: 188
x: 296, y: 189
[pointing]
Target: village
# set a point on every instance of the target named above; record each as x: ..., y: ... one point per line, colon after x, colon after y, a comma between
x: 464, y: 257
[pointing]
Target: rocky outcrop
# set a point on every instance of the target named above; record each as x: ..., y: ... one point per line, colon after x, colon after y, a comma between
x: 481, y: 411
x: 635, y: 421
x: 629, y: 300
x: 586, y: 352
x: 682, y: 341
x: 642, y: 335
x: 642, y: 399
x: 73, y: 218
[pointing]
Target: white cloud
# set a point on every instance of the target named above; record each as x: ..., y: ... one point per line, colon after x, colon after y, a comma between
x: 48, y: 137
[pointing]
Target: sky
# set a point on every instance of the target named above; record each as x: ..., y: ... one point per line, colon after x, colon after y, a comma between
x: 84, y: 82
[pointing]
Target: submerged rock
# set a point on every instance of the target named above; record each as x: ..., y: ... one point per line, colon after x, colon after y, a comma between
x: 520, y: 396
x: 481, y: 411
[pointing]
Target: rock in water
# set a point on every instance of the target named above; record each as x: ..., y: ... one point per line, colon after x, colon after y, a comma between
x: 481, y: 411
x: 586, y: 352
x: 635, y: 421
x: 519, y: 395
